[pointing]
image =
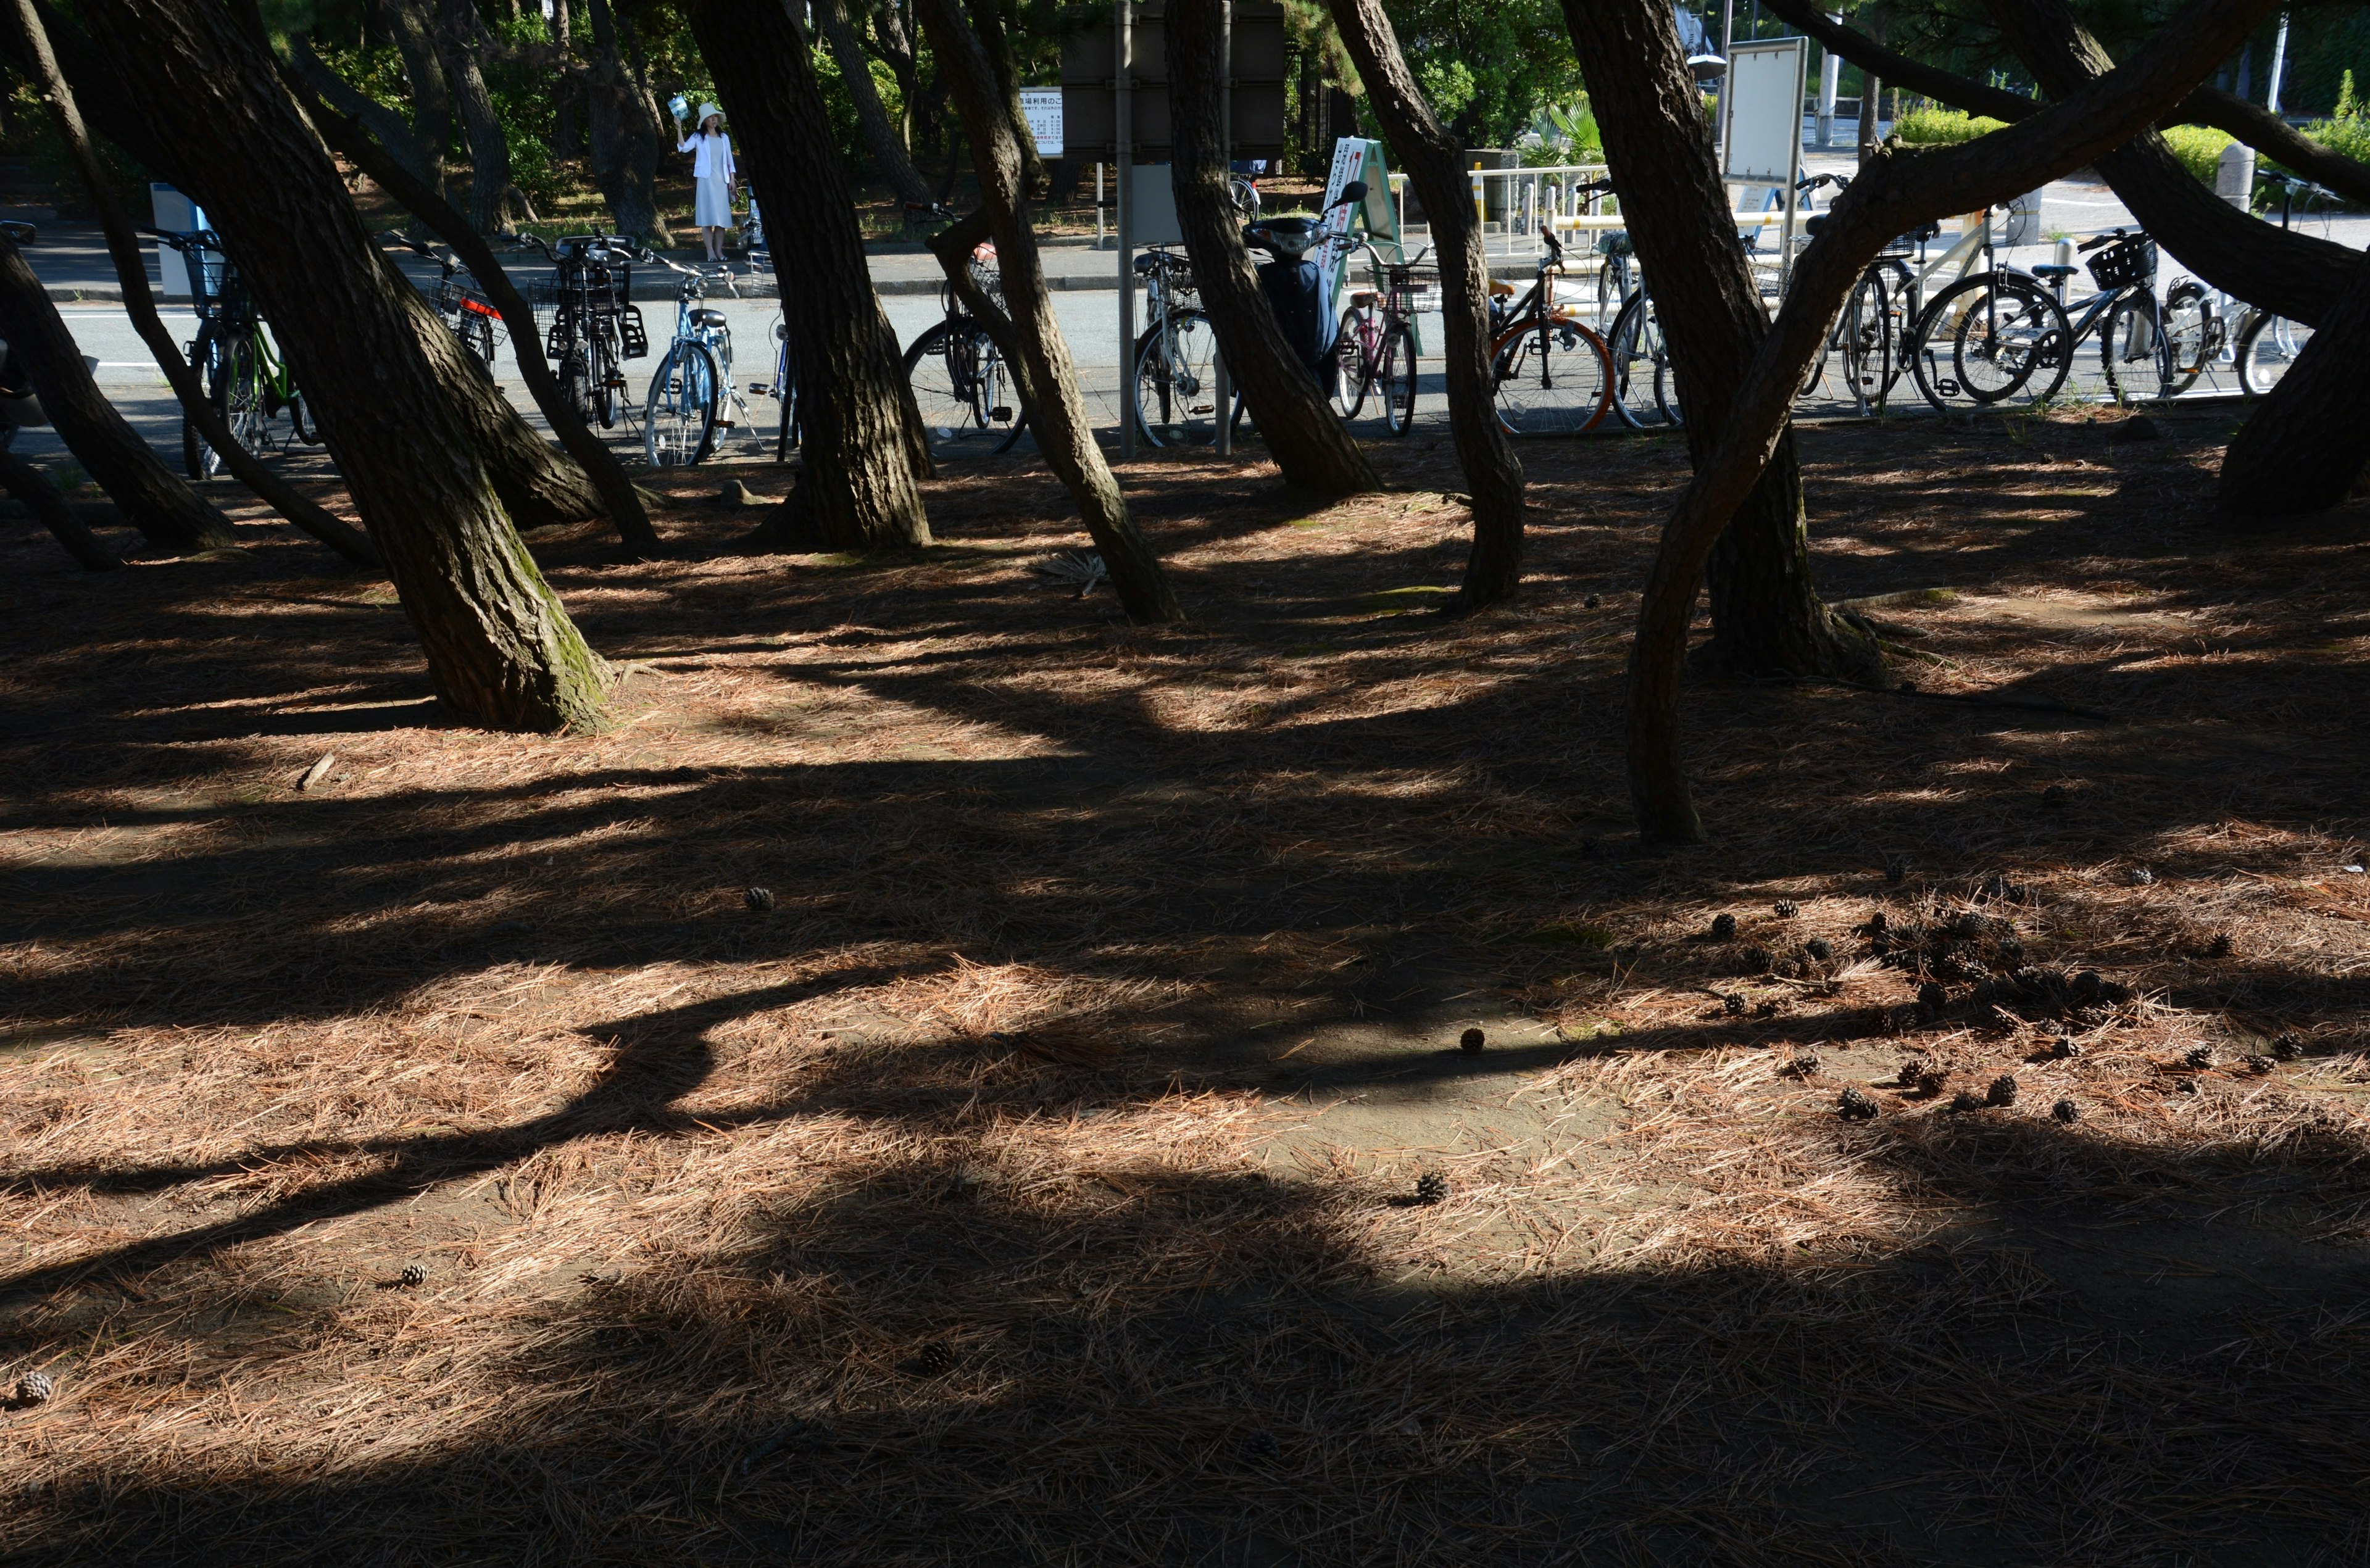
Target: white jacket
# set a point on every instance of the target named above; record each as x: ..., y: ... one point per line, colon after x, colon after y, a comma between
x: 715, y: 155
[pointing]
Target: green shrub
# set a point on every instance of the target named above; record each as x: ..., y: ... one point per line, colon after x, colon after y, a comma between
x: 1930, y: 125
x: 2199, y: 148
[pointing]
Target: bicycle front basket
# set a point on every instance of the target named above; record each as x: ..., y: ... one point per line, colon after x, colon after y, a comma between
x: 1413, y: 289
x: 2127, y: 263
x: 988, y: 279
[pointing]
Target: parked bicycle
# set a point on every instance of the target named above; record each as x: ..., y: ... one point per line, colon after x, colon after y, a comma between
x: 1176, y: 357
x: 2197, y: 321
x: 459, y: 299
x: 692, y: 396
x: 244, y: 379
x: 1552, y: 372
x: 1374, y: 350
x: 961, y: 385
x: 2008, y: 334
x: 595, y: 325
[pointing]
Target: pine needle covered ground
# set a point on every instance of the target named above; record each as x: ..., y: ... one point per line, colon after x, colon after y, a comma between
x: 1036, y: 1181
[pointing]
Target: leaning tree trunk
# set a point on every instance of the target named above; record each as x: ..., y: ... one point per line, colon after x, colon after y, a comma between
x: 2308, y: 444
x: 29, y: 486
x: 153, y: 500
x: 1433, y: 156
x: 987, y: 26
x: 1303, y: 434
x: 625, y: 145
x: 1767, y: 615
x: 392, y: 130
x: 460, y: 39
x: 500, y: 649
x: 889, y: 156
x: 431, y: 101
x: 1896, y: 192
x: 1060, y: 415
x: 862, y: 445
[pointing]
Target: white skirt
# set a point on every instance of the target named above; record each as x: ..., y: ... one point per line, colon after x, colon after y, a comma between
x: 715, y: 204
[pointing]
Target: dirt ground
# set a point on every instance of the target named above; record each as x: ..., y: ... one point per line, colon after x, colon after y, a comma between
x: 1037, y: 1180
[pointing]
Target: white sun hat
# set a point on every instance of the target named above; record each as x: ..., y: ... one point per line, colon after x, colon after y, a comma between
x: 709, y: 109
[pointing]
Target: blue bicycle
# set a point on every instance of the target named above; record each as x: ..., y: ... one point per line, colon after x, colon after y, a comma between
x: 692, y: 393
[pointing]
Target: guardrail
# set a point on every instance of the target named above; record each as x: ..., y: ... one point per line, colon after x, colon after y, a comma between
x: 1526, y: 196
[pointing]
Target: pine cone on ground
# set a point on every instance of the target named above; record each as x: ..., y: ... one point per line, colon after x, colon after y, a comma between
x: 412, y: 1275
x: 1964, y: 1100
x: 1732, y: 1004
x: 1933, y: 998
x: 1854, y: 1106
x: 2261, y: 1064
x: 2288, y: 1048
x: 1821, y: 949
x: 1803, y: 1066
x: 2065, y: 1047
x: 35, y: 1388
x: 1723, y: 928
x: 2141, y: 876
x: 1786, y: 909
x: 2065, y: 1111
x: 1430, y: 1187
x: 934, y: 1360
x: 2057, y: 795
x: 1471, y: 1041
x: 2002, y: 1091
x: 2198, y: 1057
x: 1896, y: 869
x: 1920, y: 1076
x: 758, y: 898
x: 2220, y: 945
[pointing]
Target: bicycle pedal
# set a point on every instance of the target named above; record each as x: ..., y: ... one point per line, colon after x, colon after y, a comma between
x: 1001, y: 416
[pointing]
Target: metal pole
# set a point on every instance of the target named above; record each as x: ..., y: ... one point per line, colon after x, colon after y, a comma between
x: 1727, y: 48
x: 1831, y: 67
x: 2279, y: 63
x: 1226, y: 436
x: 1123, y: 133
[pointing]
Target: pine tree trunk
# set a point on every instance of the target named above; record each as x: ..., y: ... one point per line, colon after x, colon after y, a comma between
x: 394, y: 132
x: 432, y: 99
x: 863, y: 445
x: 460, y: 39
x: 1767, y: 615
x: 32, y: 487
x: 987, y: 26
x: 1303, y: 433
x: 1435, y: 164
x: 889, y: 157
x: 500, y: 647
x: 154, y: 501
x: 2307, y: 445
x: 625, y: 156
x: 1060, y: 415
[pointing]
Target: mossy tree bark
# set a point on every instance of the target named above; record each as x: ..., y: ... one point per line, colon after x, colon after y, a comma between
x: 1767, y: 615
x: 862, y: 447
x: 500, y: 649
x: 1303, y: 433
x: 153, y: 497
x: 1432, y: 155
x: 1060, y: 415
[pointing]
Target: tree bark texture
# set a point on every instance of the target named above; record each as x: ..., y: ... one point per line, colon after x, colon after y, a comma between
x: 616, y: 492
x: 1062, y: 432
x: 1303, y: 433
x: 627, y: 139
x: 882, y: 139
x: 460, y: 39
x: 953, y: 246
x: 40, y: 63
x: 1766, y: 614
x: 31, y: 485
x: 432, y: 98
x: 1434, y: 162
x: 500, y: 649
x: 2308, y: 443
x: 155, y: 500
x: 392, y: 131
x: 1894, y: 193
x: 862, y: 447
x: 987, y: 26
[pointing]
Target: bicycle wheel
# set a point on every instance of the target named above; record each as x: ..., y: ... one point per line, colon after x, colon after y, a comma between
x: 240, y: 400
x: 2131, y: 351
x: 2007, y: 338
x: 1553, y: 378
x: 198, y: 459
x: 576, y: 383
x: 1396, y: 379
x: 679, y: 414
x: 1865, y: 331
x: 2267, y: 347
x: 476, y: 336
x: 2190, y: 327
x: 1641, y: 360
x: 1350, y: 372
x: 607, y: 378
x: 1177, y: 381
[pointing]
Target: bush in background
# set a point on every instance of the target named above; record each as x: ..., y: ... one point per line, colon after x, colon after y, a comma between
x: 1930, y: 125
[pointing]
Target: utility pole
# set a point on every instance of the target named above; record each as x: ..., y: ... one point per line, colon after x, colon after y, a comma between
x: 1123, y: 134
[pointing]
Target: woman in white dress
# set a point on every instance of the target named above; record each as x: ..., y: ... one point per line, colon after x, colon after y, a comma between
x: 711, y: 170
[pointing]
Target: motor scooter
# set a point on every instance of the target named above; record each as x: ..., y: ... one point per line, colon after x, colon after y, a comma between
x: 1294, y: 285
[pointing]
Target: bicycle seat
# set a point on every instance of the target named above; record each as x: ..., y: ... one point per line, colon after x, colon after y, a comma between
x: 1149, y: 262
x: 2053, y: 270
x: 1364, y: 296
x: 1500, y: 290
x: 1615, y: 241
x: 707, y: 318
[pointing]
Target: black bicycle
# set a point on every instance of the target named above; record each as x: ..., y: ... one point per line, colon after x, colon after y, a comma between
x: 595, y: 325
x: 461, y: 303
x: 245, y: 378
x: 961, y: 384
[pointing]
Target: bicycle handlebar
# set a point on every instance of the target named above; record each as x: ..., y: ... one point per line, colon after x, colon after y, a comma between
x: 2110, y: 237
x: 195, y: 239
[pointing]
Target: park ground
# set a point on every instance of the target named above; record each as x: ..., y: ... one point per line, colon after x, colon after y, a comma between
x: 1037, y: 1179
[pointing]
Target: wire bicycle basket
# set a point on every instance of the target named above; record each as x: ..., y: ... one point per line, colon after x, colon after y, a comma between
x: 461, y: 294
x: 1413, y: 289
x: 2127, y: 264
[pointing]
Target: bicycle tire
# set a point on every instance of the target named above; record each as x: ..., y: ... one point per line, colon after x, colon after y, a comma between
x: 2267, y: 346
x: 1866, y: 327
x: 958, y: 380
x: 205, y: 357
x: 1181, y: 374
x: 476, y: 336
x: 605, y: 375
x: 1397, y: 379
x: 576, y: 383
x: 239, y: 403
x: 1352, y: 371
x: 2008, y: 338
x: 679, y: 411
x: 2132, y: 353
x: 1641, y: 358
x: 1552, y: 377
x: 2191, y: 328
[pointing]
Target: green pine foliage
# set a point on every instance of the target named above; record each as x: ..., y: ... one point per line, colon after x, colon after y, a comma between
x: 1931, y: 125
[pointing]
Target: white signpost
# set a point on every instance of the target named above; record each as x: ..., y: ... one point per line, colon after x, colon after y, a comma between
x: 1762, y: 137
